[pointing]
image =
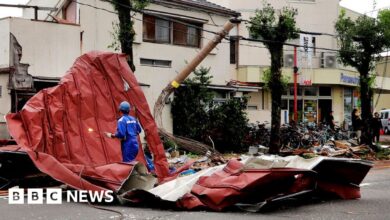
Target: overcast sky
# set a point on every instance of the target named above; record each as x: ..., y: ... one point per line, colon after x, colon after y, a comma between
x: 365, y: 6
x: 362, y: 6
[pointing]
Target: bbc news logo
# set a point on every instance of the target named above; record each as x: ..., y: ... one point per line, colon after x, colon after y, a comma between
x: 55, y: 196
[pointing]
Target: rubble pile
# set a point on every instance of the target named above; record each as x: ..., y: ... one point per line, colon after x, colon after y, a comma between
x: 337, y: 148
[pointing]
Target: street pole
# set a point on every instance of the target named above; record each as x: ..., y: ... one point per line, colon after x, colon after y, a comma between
x: 175, y: 83
x: 295, y: 86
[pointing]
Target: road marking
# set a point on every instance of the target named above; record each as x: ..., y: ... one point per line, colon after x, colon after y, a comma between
x: 365, y: 184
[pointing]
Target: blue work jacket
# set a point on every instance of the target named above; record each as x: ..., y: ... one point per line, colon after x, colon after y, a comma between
x: 128, y: 129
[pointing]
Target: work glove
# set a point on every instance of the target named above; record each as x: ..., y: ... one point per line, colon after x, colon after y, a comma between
x: 108, y: 134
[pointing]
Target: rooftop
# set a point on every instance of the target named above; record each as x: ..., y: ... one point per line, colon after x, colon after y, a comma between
x: 201, y: 4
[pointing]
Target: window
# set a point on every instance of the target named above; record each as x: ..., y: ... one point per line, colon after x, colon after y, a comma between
x: 233, y: 50
x: 193, y: 37
x: 251, y: 107
x: 163, y: 31
x: 310, y: 91
x: 325, y: 91
x: 299, y: 90
x: 220, y: 97
x: 156, y: 30
x: 157, y: 63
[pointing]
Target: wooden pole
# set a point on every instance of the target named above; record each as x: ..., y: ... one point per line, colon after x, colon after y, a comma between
x: 175, y: 83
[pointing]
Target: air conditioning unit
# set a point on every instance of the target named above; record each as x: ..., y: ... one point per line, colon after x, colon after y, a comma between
x: 288, y: 60
x: 330, y: 61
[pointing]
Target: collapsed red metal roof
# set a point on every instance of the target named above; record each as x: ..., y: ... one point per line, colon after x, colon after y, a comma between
x: 62, y: 128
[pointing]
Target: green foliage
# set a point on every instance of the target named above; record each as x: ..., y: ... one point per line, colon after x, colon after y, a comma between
x: 195, y: 116
x: 115, y: 45
x: 169, y: 144
x: 267, y: 77
x: 361, y: 40
x: 121, y: 32
x: 125, y: 33
x: 383, y: 154
x: 136, y: 5
x: 228, y: 125
x: 384, y: 21
x: 271, y: 26
x: 189, y: 107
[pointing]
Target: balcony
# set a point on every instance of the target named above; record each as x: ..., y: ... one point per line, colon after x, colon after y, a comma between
x: 47, y: 48
x: 319, y: 76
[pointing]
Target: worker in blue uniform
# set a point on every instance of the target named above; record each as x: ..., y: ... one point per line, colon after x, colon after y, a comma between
x: 127, y: 131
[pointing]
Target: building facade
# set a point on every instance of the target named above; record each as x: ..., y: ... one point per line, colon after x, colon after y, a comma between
x: 324, y: 84
x: 36, y: 53
x: 165, y: 41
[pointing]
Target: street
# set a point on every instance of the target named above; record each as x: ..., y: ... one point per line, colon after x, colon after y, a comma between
x: 374, y: 204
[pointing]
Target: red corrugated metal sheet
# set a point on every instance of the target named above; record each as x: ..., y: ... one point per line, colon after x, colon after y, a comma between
x: 62, y: 128
x: 251, y: 188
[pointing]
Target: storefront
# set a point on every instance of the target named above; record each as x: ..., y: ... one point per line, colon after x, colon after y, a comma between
x: 314, y: 103
x: 351, y: 101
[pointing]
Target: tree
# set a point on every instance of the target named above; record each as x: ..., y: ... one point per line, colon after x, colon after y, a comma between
x: 361, y: 41
x: 275, y: 29
x: 196, y: 116
x: 228, y: 125
x: 190, y: 105
x: 126, y: 32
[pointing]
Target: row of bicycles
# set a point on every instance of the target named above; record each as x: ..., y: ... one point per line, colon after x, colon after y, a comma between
x: 301, y: 135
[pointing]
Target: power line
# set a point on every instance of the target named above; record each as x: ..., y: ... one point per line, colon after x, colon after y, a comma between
x: 242, y: 38
x: 205, y: 30
x: 162, y: 17
x: 300, y: 31
x: 377, y: 9
x: 133, y: 16
x: 92, y: 6
x: 288, y: 44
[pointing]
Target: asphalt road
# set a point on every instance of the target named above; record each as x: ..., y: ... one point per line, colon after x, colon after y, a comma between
x: 374, y: 204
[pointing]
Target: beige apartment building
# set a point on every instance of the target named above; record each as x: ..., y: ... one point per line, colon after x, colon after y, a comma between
x: 324, y: 84
x: 48, y: 46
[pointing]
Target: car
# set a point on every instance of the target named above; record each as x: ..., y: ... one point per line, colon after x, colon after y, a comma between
x: 385, y: 118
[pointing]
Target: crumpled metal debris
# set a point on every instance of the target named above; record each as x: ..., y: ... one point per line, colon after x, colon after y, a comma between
x: 256, y: 182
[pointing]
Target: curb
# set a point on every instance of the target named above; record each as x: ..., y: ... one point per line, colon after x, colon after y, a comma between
x: 381, y: 164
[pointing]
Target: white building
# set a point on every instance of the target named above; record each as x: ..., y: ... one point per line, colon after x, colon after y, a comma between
x: 161, y: 48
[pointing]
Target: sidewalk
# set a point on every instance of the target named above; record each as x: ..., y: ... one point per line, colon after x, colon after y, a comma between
x: 381, y: 164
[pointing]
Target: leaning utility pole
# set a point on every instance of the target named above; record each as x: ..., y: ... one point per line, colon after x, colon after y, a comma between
x: 175, y: 83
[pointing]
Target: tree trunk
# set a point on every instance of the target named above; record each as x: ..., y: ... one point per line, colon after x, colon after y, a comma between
x: 276, y: 94
x: 366, y: 99
x: 126, y: 32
